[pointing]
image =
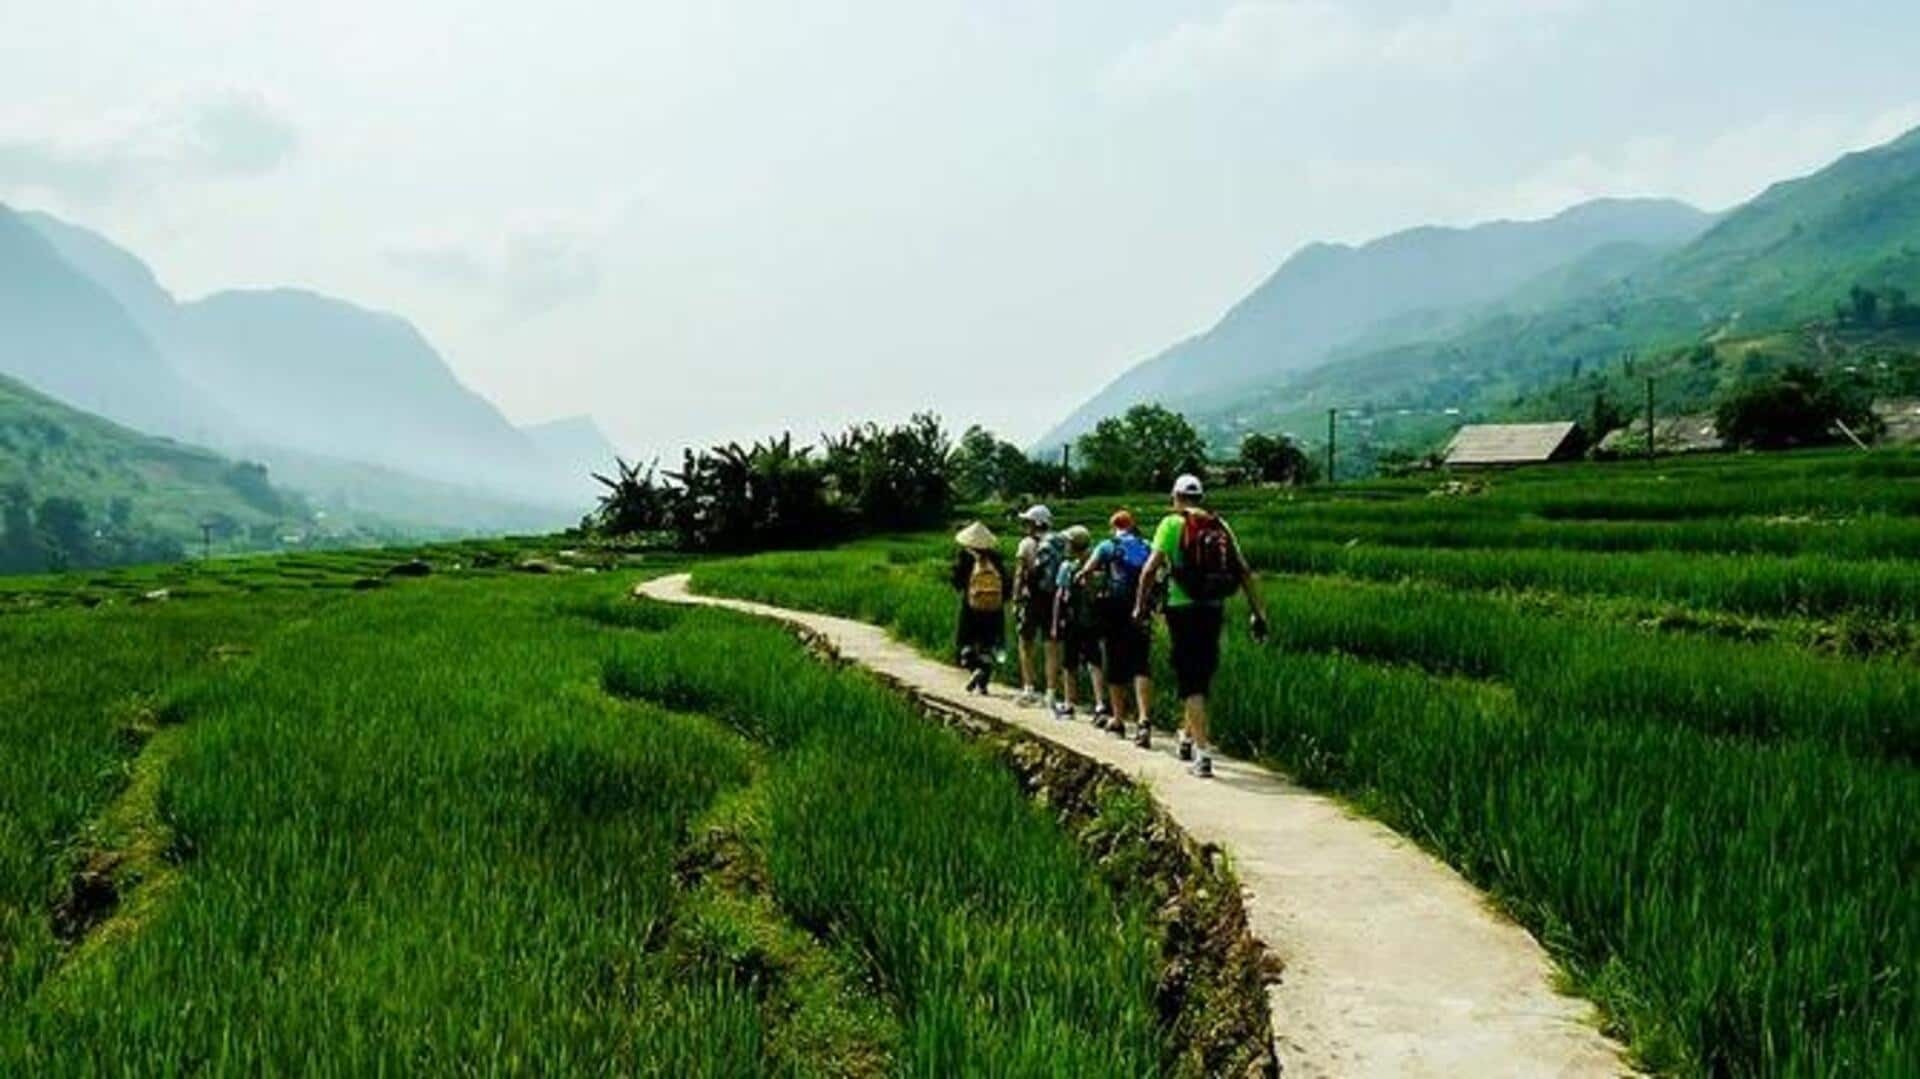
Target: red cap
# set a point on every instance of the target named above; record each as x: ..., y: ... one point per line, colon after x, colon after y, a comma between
x: 1122, y: 521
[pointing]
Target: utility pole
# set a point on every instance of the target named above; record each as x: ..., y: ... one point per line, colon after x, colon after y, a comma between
x: 1066, y: 466
x: 1650, y: 450
x: 1331, y: 414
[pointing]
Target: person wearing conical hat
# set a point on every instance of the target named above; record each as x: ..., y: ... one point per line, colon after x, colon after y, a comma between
x: 980, y: 578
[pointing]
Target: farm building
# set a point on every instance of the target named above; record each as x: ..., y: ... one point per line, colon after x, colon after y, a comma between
x: 1693, y: 433
x: 1900, y: 419
x: 1491, y: 445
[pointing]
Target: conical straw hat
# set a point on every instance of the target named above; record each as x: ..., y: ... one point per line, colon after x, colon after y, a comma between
x: 976, y: 537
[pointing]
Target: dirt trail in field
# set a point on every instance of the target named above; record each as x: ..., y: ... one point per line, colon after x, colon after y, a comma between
x: 1395, y: 966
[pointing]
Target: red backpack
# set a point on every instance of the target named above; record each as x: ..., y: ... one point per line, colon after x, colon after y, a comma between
x: 1209, y: 569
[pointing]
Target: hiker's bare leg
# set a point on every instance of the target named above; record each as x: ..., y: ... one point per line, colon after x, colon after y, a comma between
x: 1196, y: 715
x: 1117, y: 700
x: 1143, y: 694
x: 1026, y: 662
x: 1101, y: 692
x: 1053, y: 667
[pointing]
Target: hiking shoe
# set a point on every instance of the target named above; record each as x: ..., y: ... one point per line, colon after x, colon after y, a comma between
x: 1144, y: 736
x: 1117, y: 728
x: 978, y: 683
x: 1185, y: 752
x: 1027, y: 698
x: 1203, y: 766
x: 1062, y: 710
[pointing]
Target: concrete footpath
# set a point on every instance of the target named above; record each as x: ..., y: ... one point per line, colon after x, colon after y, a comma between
x: 1395, y: 966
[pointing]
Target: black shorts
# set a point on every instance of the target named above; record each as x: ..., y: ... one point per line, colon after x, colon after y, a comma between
x: 1079, y: 648
x: 1035, y: 617
x: 1127, y: 643
x: 1195, y: 629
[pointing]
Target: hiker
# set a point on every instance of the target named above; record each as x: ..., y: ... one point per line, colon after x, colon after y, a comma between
x: 980, y: 577
x: 1115, y: 569
x: 1076, y: 631
x: 1035, y: 576
x: 1200, y: 554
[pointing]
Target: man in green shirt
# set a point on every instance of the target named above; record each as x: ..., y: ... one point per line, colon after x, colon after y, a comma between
x: 1199, y: 553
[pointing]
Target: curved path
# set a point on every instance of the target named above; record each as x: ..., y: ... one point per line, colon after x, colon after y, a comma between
x: 1395, y: 966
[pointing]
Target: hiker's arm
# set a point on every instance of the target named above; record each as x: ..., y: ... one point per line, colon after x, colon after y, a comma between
x: 1149, y: 580
x: 1250, y: 584
x: 1092, y: 565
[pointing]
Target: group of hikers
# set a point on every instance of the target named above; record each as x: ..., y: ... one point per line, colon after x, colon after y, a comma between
x: 1086, y: 608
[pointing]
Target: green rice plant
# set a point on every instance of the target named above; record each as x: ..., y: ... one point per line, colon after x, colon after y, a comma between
x: 920, y: 855
x: 1801, y: 585
x: 1739, y: 905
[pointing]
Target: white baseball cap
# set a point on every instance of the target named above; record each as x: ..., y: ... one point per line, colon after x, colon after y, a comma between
x: 1038, y: 515
x: 1188, y: 486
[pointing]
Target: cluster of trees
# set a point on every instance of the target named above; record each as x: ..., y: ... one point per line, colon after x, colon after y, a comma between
x: 1796, y: 407
x: 776, y: 493
x: 1865, y: 307
x: 58, y: 533
x: 868, y: 478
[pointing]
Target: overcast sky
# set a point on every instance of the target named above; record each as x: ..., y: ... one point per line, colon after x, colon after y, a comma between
x: 709, y: 219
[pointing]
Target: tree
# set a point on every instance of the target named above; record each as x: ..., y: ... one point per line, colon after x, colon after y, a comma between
x: 983, y: 466
x: 1145, y: 448
x: 892, y: 477
x: 20, y: 547
x: 1863, y: 305
x: 635, y: 502
x: 63, y: 528
x: 1275, y: 459
x: 1797, y: 407
x: 249, y: 481
x: 1603, y: 418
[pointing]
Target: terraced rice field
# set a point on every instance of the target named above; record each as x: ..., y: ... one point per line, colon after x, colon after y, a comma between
x: 1668, y: 716
x: 522, y: 824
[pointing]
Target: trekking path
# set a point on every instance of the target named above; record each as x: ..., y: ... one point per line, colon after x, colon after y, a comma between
x: 1395, y: 966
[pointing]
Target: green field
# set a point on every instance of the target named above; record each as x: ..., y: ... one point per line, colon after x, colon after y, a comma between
x: 1668, y: 716
x: 498, y: 822
x: 305, y: 813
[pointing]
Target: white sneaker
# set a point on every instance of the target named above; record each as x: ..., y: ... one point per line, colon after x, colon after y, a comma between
x: 1203, y: 766
x: 1027, y: 698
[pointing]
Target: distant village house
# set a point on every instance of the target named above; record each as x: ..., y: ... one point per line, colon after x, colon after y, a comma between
x: 1501, y: 445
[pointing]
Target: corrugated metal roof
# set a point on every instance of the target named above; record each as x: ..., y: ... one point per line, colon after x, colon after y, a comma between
x: 1901, y: 415
x: 1692, y: 433
x: 1507, y: 443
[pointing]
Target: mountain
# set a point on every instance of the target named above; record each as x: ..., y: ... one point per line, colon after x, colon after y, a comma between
x: 302, y: 377
x: 1782, y: 260
x: 143, y: 498
x: 327, y: 377
x: 1329, y: 295
x: 575, y: 445
x: 64, y: 334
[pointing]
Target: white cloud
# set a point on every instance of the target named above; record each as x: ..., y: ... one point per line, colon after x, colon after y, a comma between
x: 207, y: 134
x: 1715, y: 173
x: 1297, y: 40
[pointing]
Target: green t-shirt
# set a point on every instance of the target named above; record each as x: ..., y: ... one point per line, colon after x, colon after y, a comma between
x: 1166, y: 540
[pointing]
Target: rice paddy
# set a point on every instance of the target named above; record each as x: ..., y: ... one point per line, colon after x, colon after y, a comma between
x: 523, y: 824
x: 1688, y: 768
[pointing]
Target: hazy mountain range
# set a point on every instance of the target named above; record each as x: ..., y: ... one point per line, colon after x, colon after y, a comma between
x: 354, y: 402
x: 1478, y: 317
